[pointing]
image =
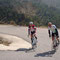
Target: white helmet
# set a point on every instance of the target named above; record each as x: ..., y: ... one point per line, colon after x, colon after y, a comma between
x: 30, y: 22
x: 49, y: 23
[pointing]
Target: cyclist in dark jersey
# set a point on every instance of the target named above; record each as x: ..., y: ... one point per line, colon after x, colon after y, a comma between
x: 52, y: 28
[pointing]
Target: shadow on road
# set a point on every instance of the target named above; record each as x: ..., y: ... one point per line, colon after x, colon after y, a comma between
x: 21, y: 49
x: 24, y: 49
x: 46, y: 54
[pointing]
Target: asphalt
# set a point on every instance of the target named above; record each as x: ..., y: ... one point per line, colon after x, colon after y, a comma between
x: 42, y: 52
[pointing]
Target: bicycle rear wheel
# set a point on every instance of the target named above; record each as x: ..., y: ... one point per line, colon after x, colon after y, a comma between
x: 34, y: 43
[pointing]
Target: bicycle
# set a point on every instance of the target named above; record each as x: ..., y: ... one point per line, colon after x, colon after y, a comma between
x: 55, y: 44
x: 34, y: 42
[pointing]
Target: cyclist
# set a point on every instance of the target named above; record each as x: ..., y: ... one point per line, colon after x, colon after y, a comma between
x: 31, y: 30
x: 52, y: 28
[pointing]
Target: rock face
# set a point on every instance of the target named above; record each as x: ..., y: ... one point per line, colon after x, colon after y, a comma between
x: 8, y: 42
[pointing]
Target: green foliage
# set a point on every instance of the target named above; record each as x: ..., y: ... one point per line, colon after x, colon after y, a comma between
x: 41, y: 14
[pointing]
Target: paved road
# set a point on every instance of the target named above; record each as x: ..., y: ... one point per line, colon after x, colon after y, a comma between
x: 42, y: 52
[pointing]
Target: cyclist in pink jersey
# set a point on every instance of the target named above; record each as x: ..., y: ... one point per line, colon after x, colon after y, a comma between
x: 31, y: 30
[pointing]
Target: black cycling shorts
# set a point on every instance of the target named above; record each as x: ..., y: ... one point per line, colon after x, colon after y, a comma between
x: 32, y: 32
x: 53, y: 34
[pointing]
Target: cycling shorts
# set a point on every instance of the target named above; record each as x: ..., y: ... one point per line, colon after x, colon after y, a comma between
x: 53, y: 34
x: 32, y: 32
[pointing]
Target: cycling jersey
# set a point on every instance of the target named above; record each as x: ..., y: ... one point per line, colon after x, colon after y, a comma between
x: 52, y: 28
x: 32, y: 28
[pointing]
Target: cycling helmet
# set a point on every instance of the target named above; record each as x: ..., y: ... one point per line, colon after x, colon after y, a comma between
x: 49, y: 23
x: 30, y: 22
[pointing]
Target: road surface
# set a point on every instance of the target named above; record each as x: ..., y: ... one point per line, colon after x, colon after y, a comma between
x: 42, y: 52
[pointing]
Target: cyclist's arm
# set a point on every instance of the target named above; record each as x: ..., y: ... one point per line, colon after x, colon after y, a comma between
x: 57, y: 32
x: 28, y: 31
x: 49, y: 32
x: 35, y: 29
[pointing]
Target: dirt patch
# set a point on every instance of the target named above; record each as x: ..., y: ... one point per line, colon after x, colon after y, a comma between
x: 4, y: 41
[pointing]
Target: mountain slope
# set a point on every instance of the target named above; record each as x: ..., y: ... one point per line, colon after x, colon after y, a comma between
x: 23, y: 11
x: 55, y: 3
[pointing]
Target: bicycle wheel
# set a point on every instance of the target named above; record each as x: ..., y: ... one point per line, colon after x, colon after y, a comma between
x: 55, y: 44
x: 34, y: 43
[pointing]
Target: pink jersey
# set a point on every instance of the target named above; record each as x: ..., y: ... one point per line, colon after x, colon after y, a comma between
x: 32, y: 28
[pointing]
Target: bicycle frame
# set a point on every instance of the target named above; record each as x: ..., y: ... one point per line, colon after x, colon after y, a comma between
x: 55, y: 42
x: 34, y: 43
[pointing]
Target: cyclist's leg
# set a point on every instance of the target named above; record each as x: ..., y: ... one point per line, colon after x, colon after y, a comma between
x: 57, y: 40
x: 31, y: 38
x: 54, y: 43
x: 35, y: 35
x: 57, y: 36
x: 53, y: 37
x: 36, y: 40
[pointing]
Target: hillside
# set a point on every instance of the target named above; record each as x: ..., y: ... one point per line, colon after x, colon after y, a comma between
x: 55, y: 3
x: 22, y: 11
